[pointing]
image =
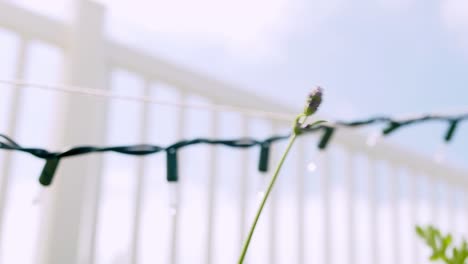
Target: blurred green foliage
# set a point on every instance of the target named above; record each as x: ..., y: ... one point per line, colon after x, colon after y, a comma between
x: 441, y: 246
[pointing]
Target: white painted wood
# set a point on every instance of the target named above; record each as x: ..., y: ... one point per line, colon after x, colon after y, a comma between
x: 465, y: 210
x: 88, y: 255
x: 275, y: 156
x: 350, y: 192
x: 188, y: 81
x: 140, y: 183
x: 324, y: 174
x: 300, y: 190
x: 450, y: 194
x: 33, y: 26
x: 243, y: 185
x: 395, y: 212
x: 434, y: 202
x: 93, y: 192
x: 174, y: 210
x: 63, y: 217
x: 11, y: 131
x: 174, y: 198
x: 413, y: 202
x: 211, y: 188
x: 372, y: 191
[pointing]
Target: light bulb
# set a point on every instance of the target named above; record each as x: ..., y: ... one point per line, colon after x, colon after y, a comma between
x: 374, y: 138
x: 441, y: 153
x: 38, y: 196
x: 172, y: 211
x: 260, y: 194
x: 311, y: 166
x: 261, y: 185
x: 173, y: 195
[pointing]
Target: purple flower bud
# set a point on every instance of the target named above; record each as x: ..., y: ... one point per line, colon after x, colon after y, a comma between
x: 313, y: 101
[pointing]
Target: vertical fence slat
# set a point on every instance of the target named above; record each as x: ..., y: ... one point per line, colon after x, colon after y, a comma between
x: 139, y: 186
x: 11, y: 131
x: 62, y: 220
x: 456, y: 202
x: 451, y: 195
x: 372, y: 191
x: 324, y: 169
x: 433, y: 200
x: 175, y: 211
x: 96, y: 189
x: 211, y: 191
x: 413, y: 212
x: 94, y: 186
x: 300, y: 203
x: 273, y: 205
x: 350, y: 178
x: 465, y: 210
x: 395, y: 213
x: 243, y: 185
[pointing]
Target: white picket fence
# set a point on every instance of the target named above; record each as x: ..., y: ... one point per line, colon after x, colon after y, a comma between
x: 359, y: 206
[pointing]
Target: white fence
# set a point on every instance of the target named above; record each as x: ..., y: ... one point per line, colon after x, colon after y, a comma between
x: 359, y: 206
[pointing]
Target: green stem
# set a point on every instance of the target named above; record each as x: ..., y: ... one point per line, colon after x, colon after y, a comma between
x: 292, y: 138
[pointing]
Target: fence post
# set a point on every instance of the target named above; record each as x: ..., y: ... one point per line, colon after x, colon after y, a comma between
x: 67, y: 213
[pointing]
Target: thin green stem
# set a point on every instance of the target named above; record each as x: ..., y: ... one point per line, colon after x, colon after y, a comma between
x: 292, y: 138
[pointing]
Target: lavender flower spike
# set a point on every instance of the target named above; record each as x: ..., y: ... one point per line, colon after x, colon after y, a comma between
x: 313, y: 101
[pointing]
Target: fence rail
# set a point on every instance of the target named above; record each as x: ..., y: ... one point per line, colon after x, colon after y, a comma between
x: 356, y: 204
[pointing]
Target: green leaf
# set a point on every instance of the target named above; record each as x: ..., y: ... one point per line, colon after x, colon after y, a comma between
x: 441, y: 246
x: 420, y: 232
x: 447, y: 240
x: 434, y: 256
x: 316, y: 123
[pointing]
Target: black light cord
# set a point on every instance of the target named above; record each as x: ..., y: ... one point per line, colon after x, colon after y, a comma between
x: 53, y: 158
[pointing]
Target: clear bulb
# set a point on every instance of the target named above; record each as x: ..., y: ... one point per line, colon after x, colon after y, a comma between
x: 262, y: 185
x: 260, y: 194
x: 374, y: 138
x: 441, y: 153
x: 172, y: 211
x: 316, y: 156
x: 311, y: 167
x: 173, y: 195
x: 38, y: 196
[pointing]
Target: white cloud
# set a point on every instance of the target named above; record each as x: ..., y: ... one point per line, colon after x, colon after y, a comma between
x: 454, y: 14
x: 245, y: 26
x: 251, y: 29
x: 310, y: 15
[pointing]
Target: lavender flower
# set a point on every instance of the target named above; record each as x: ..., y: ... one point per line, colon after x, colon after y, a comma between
x: 313, y: 101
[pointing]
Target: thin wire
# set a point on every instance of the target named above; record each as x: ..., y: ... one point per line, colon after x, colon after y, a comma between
x: 145, y: 99
x: 412, y: 118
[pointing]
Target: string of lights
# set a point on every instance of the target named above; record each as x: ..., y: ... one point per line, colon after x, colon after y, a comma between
x: 392, y: 124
